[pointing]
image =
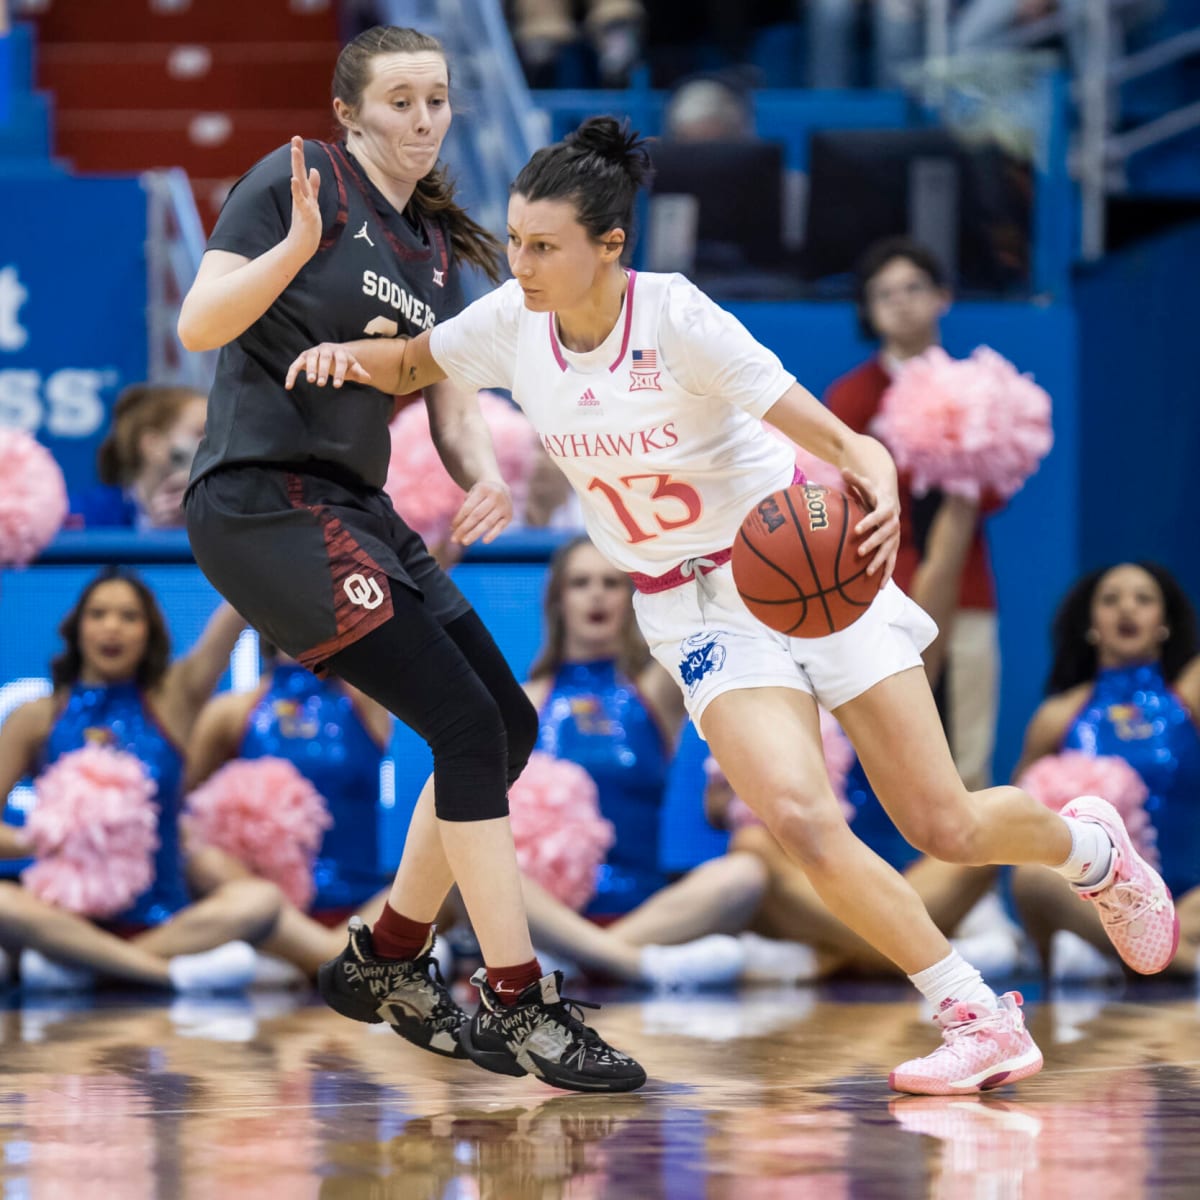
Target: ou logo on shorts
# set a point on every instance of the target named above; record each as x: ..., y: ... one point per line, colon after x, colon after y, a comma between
x: 362, y: 591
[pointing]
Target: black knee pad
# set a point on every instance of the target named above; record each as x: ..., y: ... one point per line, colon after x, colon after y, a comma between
x: 469, y: 758
x: 521, y: 728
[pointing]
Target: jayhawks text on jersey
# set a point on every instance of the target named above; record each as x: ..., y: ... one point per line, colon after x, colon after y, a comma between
x: 659, y: 429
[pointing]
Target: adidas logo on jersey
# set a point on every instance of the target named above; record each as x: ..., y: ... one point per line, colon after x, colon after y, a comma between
x: 588, y: 400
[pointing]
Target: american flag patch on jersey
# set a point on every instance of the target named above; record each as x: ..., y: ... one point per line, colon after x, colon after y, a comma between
x: 643, y: 371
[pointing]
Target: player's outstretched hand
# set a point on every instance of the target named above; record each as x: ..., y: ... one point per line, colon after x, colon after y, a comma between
x: 305, y: 230
x: 484, y: 514
x: 880, y: 528
x: 330, y: 362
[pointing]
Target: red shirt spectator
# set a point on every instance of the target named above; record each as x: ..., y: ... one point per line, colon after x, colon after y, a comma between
x: 855, y: 398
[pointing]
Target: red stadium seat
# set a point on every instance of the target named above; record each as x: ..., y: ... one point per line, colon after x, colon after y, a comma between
x: 207, y: 85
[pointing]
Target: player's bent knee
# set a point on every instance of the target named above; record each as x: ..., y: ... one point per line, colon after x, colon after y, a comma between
x: 521, y: 732
x: 812, y: 835
x: 470, y: 757
x: 949, y: 837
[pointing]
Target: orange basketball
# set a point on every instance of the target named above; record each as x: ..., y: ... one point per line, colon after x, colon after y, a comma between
x: 796, y: 562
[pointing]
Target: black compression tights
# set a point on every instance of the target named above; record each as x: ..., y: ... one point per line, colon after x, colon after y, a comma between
x: 454, y: 688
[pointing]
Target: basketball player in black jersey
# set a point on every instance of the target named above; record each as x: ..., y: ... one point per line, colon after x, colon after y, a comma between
x: 288, y: 519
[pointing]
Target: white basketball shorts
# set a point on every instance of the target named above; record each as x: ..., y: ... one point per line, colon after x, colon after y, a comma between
x: 708, y: 640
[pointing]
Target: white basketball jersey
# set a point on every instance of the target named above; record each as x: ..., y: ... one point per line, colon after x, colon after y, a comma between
x: 658, y: 429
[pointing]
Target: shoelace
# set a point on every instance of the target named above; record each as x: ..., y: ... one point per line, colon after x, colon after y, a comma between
x: 997, y: 1020
x: 572, y: 1012
x: 1126, y: 902
x: 446, y: 1008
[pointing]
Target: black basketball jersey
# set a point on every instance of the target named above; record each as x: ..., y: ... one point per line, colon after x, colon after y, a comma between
x: 376, y: 273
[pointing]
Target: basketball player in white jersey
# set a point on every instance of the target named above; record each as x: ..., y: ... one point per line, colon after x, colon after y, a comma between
x: 651, y: 399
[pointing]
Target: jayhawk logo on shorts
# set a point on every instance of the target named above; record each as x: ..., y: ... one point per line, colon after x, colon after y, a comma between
x: 700, y: 655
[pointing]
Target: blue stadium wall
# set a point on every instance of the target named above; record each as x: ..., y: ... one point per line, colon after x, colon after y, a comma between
x: 1140, y: 427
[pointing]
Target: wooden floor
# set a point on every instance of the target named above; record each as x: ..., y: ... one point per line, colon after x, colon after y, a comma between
x: 757, y: 1096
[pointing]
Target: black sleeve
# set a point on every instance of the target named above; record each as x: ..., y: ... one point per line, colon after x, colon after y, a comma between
x: 257, y: 213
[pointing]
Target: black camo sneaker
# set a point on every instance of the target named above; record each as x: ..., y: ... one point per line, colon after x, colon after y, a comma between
x: 409, y: 994
x: 542, y: 1035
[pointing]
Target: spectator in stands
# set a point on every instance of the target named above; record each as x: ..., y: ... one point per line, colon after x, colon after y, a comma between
x: 897, y: 28
x: 710, y: 108
x: 1125, y: 681
x: 115, y: 686
x: 543, y: 28
x: 144, y: 461
x: 902, y: 293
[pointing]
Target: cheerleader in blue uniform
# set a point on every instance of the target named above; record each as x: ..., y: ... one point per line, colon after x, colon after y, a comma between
x: 115, y: 686
x: 336, y: 738
x: 1125, y: 682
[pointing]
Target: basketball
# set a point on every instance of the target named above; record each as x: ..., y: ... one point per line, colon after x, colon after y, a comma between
x: 796, y: 562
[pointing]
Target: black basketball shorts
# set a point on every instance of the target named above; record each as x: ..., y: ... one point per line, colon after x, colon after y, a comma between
x: 306, y: 558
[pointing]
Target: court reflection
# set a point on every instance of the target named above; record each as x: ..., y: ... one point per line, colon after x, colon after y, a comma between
x: 770, y: 1096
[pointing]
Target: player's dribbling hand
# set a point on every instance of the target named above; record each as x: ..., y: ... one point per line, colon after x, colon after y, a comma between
x: 330, y: 362
x: 305, y: 230
x: 484, y: 514
x: 880, y: 528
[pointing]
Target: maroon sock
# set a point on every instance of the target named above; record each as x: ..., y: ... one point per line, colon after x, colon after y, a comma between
x: 395, y: 936
x: 509, y: 982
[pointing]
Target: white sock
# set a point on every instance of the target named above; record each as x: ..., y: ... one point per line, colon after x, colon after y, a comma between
x: 771, y: 961
x: 1091, y: 854
x: 951, y: 981
x: 224, y: 968
x: 42, y: 974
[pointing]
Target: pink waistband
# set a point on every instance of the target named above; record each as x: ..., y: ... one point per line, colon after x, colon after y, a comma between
x: 676, y: 576
x: 705, y: 563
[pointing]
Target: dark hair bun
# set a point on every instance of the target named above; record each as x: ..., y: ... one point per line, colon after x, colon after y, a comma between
x: 616, y: 143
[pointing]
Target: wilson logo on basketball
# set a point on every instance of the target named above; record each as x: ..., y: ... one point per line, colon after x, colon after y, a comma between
x: 818, y: 514
x: 772, y: 518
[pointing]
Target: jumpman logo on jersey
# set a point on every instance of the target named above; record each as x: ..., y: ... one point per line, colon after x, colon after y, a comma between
x: 362, y: 233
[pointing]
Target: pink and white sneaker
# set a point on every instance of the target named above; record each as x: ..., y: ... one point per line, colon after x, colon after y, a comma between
x: 1135, y: 907
x: 981, y: 1049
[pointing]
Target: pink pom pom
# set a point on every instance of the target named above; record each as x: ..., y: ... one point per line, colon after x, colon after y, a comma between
x: 94, y: 832
x: 422, y: 491
x: 1059, y: 778
x: 965, y: 426
x: 33, y: 498
x: 839, y: 758
x: 265, y: 814
x: 560, y: 835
